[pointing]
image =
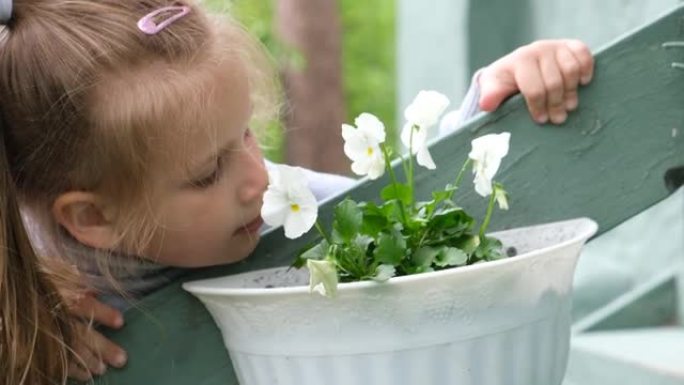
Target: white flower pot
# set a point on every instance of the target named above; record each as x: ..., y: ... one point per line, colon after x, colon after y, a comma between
x: 497, y: 323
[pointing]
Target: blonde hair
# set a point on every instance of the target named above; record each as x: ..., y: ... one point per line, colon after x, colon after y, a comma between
x: 82, y: 91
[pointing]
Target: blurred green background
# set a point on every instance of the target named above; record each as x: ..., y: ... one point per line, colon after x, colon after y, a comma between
x: 368, y: 57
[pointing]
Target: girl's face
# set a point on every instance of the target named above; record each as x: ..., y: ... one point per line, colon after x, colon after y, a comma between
x: 211, y: 183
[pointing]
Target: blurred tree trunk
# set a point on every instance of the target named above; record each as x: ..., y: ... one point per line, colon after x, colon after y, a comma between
x: 315, y: 108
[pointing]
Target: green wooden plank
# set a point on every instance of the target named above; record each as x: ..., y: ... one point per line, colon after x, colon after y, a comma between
x: 631, y: 259
x: 653, y: 303
x: 607, y: 162
x: 627, y: 357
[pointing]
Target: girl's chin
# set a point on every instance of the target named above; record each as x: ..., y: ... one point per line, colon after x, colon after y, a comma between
x: 248, y: 242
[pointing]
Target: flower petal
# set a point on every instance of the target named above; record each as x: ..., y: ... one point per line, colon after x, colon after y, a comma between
x: 501, y: 197
x: 371, y: 127
x: 362, y: 144
x: 495, y: 144
x: 289, y: 202
x: 355, y: 147
x: 322, y: 277
x: 302, y: 212
x: 274, y: 209
x: 299, y: 223
x: 419, y: 139
x: 425, y: 159
x: 426, y: 108
x: 406, y: 134
x: 486, y: 153
x: 348, y: 131
x: 376, y: 168
x: 483, y: 186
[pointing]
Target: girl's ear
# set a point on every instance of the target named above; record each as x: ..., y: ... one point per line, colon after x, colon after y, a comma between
x: 83, y: 215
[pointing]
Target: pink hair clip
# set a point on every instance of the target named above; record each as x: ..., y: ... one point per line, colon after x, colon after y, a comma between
x: 150, y: 27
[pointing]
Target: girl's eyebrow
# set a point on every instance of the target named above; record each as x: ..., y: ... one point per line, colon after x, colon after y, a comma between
x: 212, y: 159
x: 223, y: 150
x: 220, y: 152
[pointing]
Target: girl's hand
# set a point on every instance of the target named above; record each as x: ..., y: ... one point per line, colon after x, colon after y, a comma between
x: 546, y: 72
x: 94, y: 352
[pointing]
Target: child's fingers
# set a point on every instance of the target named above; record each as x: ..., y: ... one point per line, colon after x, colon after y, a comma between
x: 570, y: 70
x: 494, y: 89
x: 79, y: 374
x: 93, y: 352
x: 531, y: 84
x: 111, y: 353
x: 90, y: 308
x: 553, y: 81
x: 88, y: 361
x: 584, y: 57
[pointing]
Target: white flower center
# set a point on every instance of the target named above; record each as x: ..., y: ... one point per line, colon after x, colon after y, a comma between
x: 369, y: 151
x: 294, y: 207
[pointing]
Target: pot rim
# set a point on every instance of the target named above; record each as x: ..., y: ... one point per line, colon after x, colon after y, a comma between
x: 199, y: 287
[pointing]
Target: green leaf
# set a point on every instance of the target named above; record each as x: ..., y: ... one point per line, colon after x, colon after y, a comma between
x: 468, y: 243
x: 374, y: 219
x: 423, y: 269
x: 318, y: 252
x: 351, y: 261
x: 451, y: 256
x: 426, y: 207
x: 490, y: 249
x: 384, y: 272
x: 452, y: 220
x: 391, y: 248
x: 348, y: 219
x: 417, y: 223
x: 441, y: 195
x: 362, y: 242
x: 400, y: 192
x: 424, y: 256
x: 392, y: 212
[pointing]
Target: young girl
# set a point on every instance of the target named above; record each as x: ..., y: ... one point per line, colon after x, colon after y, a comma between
x: 126, y: 143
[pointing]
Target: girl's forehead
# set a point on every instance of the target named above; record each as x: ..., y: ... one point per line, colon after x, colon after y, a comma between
x: 215, y: 114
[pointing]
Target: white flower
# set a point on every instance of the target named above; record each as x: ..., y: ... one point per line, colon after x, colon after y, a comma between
x: 362, y: 145
x: 487, y: 152
x: 501, y: 197
x: 426, y: 108
x: 322, y: 277
x: 289, y: 202
x: 419, y: 145
x: 421, y: 115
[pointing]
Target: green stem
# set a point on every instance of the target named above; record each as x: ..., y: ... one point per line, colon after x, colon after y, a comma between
x: 393, y: 176
x: 404, y: 164
x: 456, y: 183
x: 323, y: 233
x: 490, y: 209
x: 459, y: 177
x: 409, y: 175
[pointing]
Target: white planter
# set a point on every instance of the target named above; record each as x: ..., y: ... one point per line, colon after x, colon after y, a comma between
x: 498, y: 323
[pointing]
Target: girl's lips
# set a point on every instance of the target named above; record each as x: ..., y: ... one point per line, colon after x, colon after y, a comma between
x: 252, y: 227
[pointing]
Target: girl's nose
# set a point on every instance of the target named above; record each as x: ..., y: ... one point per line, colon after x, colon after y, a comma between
x: 256, y: 180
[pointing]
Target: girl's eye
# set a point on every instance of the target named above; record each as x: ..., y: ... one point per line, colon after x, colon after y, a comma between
x: 248, y: 134
x: 212, y: 178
